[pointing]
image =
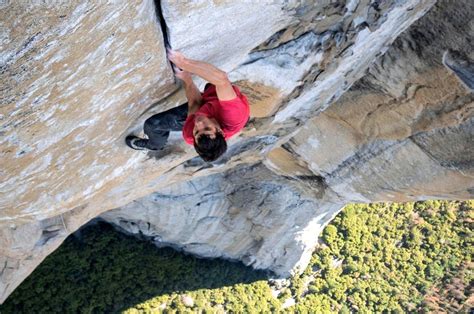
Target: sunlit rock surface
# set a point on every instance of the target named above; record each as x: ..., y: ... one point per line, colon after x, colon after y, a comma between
x: 349, y: 99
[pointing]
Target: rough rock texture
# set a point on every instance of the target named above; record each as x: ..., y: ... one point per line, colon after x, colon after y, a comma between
x: 349, y: 99
x: 248, y: 214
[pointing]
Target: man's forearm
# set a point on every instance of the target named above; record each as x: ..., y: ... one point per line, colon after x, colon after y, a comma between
x: 224, y: 89
x: 193, y: 95
x: 205, y: 70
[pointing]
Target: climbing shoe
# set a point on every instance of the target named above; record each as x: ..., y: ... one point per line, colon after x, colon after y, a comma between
x: 136, y: 142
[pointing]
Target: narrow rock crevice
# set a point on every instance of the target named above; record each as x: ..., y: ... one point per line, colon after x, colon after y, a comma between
x: 4, y: 267
x: 164, y: 27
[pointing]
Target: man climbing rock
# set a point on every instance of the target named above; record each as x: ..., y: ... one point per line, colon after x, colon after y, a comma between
x: 207, y: 120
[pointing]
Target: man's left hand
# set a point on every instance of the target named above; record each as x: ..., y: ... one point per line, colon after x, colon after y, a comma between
x: 183, y: 75
x: 176, y: 57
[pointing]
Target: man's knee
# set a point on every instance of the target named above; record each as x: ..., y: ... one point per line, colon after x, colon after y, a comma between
x: 152, y: 121
x: 152, y: 125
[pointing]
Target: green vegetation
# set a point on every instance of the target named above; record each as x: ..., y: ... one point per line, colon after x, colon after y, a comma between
x: 106, y: 271
x: 393, y: 257
x: 412, y: 257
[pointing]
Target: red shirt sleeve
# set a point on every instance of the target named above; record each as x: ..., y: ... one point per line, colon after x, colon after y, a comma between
x: 234, y: 113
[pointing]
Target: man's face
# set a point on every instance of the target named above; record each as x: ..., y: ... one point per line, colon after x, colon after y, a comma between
x: 204, y: 125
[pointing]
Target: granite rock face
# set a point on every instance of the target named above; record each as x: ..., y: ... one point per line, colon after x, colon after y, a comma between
x: 247, y: 213
x: 350, y: 102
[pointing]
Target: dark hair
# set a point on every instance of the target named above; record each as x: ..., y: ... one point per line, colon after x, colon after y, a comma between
x: 210, y: 148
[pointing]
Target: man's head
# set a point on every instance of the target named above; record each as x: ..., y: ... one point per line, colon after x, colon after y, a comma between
x: 209, y: 141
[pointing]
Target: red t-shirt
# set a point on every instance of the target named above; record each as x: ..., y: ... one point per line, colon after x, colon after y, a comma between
x: 232, y: 115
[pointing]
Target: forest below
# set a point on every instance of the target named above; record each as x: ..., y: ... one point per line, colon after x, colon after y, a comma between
x: 395, y: 257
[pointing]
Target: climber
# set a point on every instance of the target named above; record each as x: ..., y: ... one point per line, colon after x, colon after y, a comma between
x: 207, y: 120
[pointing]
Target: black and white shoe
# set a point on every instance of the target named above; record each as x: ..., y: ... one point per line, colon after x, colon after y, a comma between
x: 137, y: 143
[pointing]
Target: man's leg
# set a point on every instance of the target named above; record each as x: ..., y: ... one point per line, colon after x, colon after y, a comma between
x: 158, y: 127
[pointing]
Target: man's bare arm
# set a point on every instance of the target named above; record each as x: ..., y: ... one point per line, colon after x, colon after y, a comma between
x: 207, y: 71
x: 194, y: 97
x: 192, y: 92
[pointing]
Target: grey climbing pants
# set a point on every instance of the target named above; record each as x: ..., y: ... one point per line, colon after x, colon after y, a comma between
x: 158, y: 126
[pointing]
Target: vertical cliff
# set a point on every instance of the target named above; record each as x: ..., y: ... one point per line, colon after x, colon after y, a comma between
x: 349, y: 102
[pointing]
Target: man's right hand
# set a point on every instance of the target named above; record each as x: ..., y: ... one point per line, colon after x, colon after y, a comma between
x: 183, y: 75
x: 208, y: 72
x: 176, y: 57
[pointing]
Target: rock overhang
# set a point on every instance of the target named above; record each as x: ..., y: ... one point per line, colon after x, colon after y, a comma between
x: 314, y: 54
